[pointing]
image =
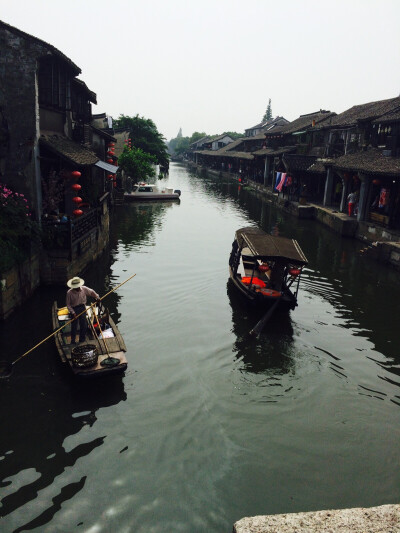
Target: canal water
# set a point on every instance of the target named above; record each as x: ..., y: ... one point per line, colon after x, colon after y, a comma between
x: 208, y: 425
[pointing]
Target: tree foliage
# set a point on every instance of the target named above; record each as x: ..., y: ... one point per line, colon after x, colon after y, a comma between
x: 144, y: 135
x: 268, y: 112
x: 179, y: 145
x: 137, y: 163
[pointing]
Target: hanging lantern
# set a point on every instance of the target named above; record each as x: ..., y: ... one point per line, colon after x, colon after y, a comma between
x: 263, y: 267
x: 110, y: 153
x: 77, y: 212
x: 109, y: 160
x: 111, y: 144
x: 294, y: 272
x: 77, y: 200
x: 110, y: 176
x: 76, y: 174
x: 376, y: 182
x: 76, y: 187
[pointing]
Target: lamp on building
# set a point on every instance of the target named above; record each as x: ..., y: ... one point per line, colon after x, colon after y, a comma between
x: 76, y: 187
x: 76, y: 174
x: 77, y: 212
x: 77, y: 200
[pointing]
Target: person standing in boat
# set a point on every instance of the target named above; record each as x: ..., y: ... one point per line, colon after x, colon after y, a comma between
x: 76, y: 304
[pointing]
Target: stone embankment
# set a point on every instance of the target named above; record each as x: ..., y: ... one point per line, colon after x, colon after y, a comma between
x: 380, y: 243
x: 382, y: 519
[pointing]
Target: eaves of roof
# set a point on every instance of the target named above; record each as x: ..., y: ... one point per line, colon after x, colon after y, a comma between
x: 69, y: 150
x: 76, y: 70
x: 369, y: 111
x: 370, y: 161
x: 275, y: 151
x: 104, y: 134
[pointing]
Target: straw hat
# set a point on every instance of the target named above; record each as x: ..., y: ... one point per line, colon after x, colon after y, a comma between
x: 75, y: 282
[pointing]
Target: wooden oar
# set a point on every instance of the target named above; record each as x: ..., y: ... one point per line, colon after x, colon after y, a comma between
x: 108, y: 361
x: 6, y: 367
x: 261, y: 323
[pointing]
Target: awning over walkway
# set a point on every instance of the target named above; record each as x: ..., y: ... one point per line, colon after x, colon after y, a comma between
x: 106, y: 166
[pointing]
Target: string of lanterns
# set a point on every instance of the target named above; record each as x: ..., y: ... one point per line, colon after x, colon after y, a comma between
x: 76, y: 187
x: 110, y: 153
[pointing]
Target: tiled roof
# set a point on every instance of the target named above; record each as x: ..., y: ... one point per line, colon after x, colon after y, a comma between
x: 275, y: 151
x: 82, y: 84
x: 318, y: 167
x: 368, y: 111
x: 70, y: 150
x: 305, y: 122
x: 104, y: 134
x: 392, y: 116
x: 299, y: 162
x: 371, y: 161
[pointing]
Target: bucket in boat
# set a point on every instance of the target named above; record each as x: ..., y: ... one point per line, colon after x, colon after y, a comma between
x: 84, y: 356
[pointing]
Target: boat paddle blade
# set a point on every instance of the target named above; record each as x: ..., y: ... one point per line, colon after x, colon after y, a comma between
x: 261, y: 323
x: 5, y: 369
x: 110, y: 362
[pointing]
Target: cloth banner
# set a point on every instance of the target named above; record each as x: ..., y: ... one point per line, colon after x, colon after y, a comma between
x: 280, y: 184
x: 278, y: 179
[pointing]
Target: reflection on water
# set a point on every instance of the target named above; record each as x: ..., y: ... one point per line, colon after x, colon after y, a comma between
x: 34, y: 451
x: 209, y: 424
x: 268, y: 353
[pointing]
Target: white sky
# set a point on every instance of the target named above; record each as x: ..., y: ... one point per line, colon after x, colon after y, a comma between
x: 212, y: 65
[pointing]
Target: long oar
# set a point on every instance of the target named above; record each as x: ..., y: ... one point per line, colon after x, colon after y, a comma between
x: 6, y: 367
x: 261, y: 324
x: 108, y: 361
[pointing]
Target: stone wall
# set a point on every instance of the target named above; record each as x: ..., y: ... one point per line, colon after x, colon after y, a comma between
x: 18, y: 284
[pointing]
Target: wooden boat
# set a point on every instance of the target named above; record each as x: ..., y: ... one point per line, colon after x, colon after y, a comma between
x: 102, y: 354
x: 148, y: 191
x: 265, y: 268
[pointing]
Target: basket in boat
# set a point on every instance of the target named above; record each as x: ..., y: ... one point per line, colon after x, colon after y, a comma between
x: 84, y: 356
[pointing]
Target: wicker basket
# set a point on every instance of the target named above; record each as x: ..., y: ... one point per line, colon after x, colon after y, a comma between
x: 84, y: 356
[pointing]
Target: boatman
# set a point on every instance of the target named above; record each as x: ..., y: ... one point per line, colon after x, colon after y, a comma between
x: 76, y: 303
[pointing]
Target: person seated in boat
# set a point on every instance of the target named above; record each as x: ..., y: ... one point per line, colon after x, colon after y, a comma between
x: 277, y: 275
x: 76, y: 304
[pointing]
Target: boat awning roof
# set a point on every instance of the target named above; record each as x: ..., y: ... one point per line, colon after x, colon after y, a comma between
x: 106, y: 166
x: 264, y: 246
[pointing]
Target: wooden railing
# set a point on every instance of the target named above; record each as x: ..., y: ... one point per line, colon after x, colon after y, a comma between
x: 65, y: 235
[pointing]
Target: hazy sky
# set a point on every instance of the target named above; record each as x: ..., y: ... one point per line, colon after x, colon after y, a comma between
x: 212, y: 65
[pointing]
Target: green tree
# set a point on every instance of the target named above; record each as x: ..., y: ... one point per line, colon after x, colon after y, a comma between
x: 144, y: 135
x: 137, y: 163
x: 182, y: 145
x: 268, y: 112
x: 196, y: 136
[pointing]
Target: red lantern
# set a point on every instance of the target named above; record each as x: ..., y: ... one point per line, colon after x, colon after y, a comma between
x: 109, y: 160
x: 77, y: 200
x: 76, y: 174
x: 110, y: 176
x: 111, y: 144
x: 294, y: 272
x: 264, y: 268
x: 78, y: 212
x: 76, y: 187
x: 376, y: 182
x: 110, y: 153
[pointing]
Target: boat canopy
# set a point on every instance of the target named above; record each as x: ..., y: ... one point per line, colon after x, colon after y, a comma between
x: 264, y: 246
